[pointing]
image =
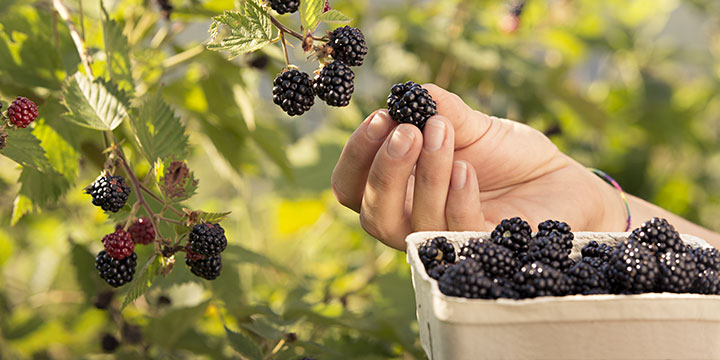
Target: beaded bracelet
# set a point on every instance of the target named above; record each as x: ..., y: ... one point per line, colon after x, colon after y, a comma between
x: 615, y: 184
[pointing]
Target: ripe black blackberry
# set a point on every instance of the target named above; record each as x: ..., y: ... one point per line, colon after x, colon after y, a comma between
x: 588, y: 280
x: 595, y: 250
x: 109, y: 343
x: 706, y: 258
x: 115, y: 272
x: 335, y: 84
x: 22, y: 112
x: 207, y: 239
x: 436, y: 254
x: 109, y: 192
x: 538, y: 279
x: 678, y: 272
x: 513, y: 233
x: 285, y: 6
x: 707, y: 283
x: 548, y: 250
x: 558, y: 231
x: 118, y: 244
x: 496, y: 260
x: 467, y: 279
x: 348, y: 44
x: 102, y: 300
x: 633, y: 268
x: 659, y: 236
x: 142, y: 231
x: 293, y: 91
x: 411, y: 103
x: 207, y: 268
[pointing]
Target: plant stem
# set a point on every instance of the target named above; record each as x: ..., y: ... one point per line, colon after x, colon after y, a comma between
x: 169, y: 220
x: 154, y: 196
x: 285, y: 29
x: 62, y: 10
x: 284, y: 46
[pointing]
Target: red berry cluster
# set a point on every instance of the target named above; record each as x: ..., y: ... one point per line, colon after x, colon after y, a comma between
x: 22, y: 112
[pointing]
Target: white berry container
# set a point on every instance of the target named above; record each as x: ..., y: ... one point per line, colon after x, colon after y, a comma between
x: 646, y: 326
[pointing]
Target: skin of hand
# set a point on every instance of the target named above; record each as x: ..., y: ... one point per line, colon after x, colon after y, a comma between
x: 466, y: 171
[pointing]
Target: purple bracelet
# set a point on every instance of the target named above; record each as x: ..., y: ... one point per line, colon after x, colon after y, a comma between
x: 615, y: 184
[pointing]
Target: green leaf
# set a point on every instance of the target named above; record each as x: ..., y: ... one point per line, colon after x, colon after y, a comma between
x: 117, y: 50
x: 95, y: 104
x: 62, y: 155
x: 213, y: 217
x: 165, y: 331
x: 310, y: 11
x: 24, y: 148
x: 334, y: 17
x: 272, y: 144
x: 241, y: 32
x: 22, y: 205
x: 143, y: 281
x: 159, y: 132
x: 84, y: 263
x: 243, y: 344
x: 42, y: 188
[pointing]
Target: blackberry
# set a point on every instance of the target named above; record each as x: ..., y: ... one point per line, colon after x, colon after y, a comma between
x: 293, y: 91
x: 115, y: 272
x: 436, y: 254
x: 207, y: 239
x: 118, y: 244
x: 467, y: 279
x: 102, y: 300
x: 109, y: 192
x: 595, y: 250
x: 22, y: 112
x: 561, y: 230
x: 285, y: 6
x: 548, y: 250
x: 513, y: 233
x: 142, y: 231
x: 588, y: 280
x: 537, y: 279
x: 109, y: 343
x: 411, y: 103
x: 658, y: 235
x: 348, y: 44
x: 496, y: 260
x: 706, y: 258
x: 131, y: 334
x: 207, y: 268
x: 678, y: 272
x: 594, y: 261
x: 633, y: 268
x: 334, y: 84
x: 707, y: 283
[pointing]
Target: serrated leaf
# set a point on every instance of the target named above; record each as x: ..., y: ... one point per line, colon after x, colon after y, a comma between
x: 95, y: 104
x: 158, y: 131
x: 310, y: 11
x: 84, y: 263
x: 143, y: 281
x: 117, y: 50
x: 61, y: 154
x: 243, y: 344
x: 42, y: 187
x: 24, y: 148
x: 213, y: 217
x: 241, y: 32
x: 22, y: 205
x: 334, y: 17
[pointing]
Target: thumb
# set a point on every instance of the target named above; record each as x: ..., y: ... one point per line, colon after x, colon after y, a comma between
x: 469, y: 125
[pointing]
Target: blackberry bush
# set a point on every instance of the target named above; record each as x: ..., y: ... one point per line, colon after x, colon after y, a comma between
x: 411, y: 103
x: 335, y: 84
x: 109, y: 192
x: 293, y: 91
x: 348, y: 45
x: 207, y: 239
x: 115, y: 272
x: 22, y: 112
x: 119, y: 244
x: 513, y: 233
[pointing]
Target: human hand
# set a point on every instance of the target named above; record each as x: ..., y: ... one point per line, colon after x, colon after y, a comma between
x: 467, y: 171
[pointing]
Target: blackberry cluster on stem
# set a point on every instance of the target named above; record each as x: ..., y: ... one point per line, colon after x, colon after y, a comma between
x: 109, y: 192
x: 202, y: 253
x: 115, y: 272
x: 293, y: 92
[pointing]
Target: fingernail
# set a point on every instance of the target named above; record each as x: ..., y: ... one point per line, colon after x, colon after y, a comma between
x: 434, y: 134
x: 377, y: 128
x: 401, y: 141
x: 459, y: 175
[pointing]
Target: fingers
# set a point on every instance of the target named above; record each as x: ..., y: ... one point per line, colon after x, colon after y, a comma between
x: 432, y: 175
x: 351, y: 172
x: 382, y: 212
x: 464, y: 210
x: 470, y: 125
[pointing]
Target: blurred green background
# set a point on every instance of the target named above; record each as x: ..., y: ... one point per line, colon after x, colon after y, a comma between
x: 630, y: 87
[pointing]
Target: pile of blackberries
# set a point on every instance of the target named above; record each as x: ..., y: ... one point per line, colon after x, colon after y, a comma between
x: 514, y: 264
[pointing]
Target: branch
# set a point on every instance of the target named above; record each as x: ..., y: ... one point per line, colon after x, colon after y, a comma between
x: 284, y: 28
x: 154, y: 196
x: 62, y: 10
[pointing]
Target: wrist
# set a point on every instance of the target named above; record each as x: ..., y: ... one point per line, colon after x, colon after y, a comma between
x: 613, y: 213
